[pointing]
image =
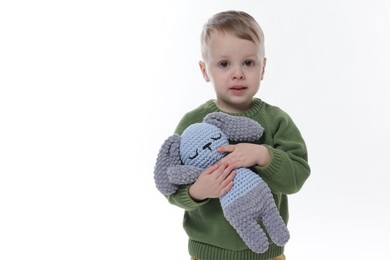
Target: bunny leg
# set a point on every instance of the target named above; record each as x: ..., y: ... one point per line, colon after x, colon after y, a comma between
x: 270, y: 216
x: 275, y: 225
x: 240, y: 215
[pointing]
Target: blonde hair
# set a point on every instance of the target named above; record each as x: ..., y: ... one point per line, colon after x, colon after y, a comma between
x: 237, y: 23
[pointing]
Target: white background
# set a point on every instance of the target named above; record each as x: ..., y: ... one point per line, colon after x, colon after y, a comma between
x: 89, y: 90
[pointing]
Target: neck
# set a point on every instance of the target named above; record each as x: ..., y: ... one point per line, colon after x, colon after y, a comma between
x: 234, y: 108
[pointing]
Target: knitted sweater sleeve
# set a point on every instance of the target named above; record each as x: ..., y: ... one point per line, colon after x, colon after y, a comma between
x: 182, y: 199
x: 289, y: 168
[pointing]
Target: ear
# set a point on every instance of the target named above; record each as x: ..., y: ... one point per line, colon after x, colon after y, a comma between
x: 237, y: 128
x: 168, y: 156
x: 202, y: 67
x: 263, y: 69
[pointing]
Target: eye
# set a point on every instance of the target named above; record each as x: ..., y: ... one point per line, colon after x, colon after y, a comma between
x: 193, y: 156
x: 223, y: 64
x: 216, y: 138
x: 249, y: 63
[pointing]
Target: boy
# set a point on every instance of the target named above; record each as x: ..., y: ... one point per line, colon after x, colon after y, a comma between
x: 234, y: 62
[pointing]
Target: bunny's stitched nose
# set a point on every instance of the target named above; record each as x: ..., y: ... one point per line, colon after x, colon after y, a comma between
x: 207, y: 146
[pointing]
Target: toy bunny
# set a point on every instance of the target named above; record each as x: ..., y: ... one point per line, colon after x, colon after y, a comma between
x: 181, y: 159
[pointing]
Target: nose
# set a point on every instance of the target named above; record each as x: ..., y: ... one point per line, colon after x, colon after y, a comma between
x: 237, y: 73
x: 207, y: 146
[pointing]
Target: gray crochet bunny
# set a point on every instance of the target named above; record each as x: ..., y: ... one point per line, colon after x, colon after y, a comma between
x: 181, y: 159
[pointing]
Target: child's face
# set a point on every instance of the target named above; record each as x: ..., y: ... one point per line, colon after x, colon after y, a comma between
x: 235, y: 67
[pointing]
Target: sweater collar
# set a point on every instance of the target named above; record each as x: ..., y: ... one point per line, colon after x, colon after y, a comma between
x: 256, y: 106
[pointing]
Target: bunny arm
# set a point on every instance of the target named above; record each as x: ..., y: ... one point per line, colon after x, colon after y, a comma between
x: 237, y: 128
x: 183, y: 174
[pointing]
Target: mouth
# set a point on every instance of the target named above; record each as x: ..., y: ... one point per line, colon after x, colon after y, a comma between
x: 238, y: 89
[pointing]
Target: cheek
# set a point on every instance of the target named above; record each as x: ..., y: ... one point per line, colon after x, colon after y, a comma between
x: 218, y: 76
x: 255, y: 76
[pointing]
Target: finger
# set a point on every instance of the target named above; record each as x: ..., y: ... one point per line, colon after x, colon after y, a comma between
x: 216, y: 170
x: 222, y: 171
x: 226, y: 148
x: 228, y: 183
x: 211, y: 169
x: 234, y: 163
x: 227, y: 159
x: 226, y: 173
x: 229, y: 178
x: 226, y: 188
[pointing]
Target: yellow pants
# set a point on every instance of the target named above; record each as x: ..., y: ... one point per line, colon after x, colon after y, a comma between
x: 281, y: 257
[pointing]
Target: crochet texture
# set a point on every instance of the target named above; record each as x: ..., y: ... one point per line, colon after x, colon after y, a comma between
x: 249, y: 202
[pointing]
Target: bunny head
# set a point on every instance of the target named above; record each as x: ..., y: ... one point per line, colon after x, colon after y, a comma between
x: 199, y: 143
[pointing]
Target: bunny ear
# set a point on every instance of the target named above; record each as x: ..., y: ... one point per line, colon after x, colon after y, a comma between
x: 237, y: 128
x: 168, y: 156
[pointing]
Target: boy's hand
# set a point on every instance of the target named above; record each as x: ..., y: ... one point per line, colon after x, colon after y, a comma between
x: 245, y: 155
x: 213, y: 182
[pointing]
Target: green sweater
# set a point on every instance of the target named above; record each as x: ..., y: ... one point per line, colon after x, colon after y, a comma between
x: 211, y: 237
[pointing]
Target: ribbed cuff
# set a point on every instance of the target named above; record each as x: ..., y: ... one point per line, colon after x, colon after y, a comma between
x: 276, y: 161
x: 185, y: 199
x: 203, y: 251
